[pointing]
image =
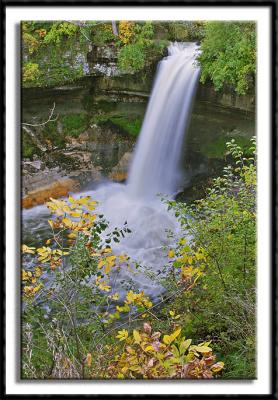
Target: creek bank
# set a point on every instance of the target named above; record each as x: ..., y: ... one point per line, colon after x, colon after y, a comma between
x: 96, y: 154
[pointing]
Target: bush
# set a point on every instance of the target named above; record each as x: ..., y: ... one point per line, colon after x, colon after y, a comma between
x: 228, y: 56
x: 140, y: 48
x: 69, y: 303
x: 30, y: 72
x: 224, y: 225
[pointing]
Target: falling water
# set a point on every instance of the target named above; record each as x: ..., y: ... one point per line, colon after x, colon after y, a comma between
x: 154, y: 170
x: 155, y: 165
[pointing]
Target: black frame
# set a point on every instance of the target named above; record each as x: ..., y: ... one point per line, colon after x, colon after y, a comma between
x: 274, y: 171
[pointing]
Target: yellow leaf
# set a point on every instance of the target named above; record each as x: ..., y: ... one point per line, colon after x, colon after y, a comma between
x: 201, y: 349
x: 107, y: 268
x: 115, y: 296
x: 27, y: 249
x: 136, y: 336
x: 167, y: 339
x: 75, y: 214
x: 149, y: 348
x: 104, y: 287
x: 72, y: 235
x: 122, y: 335
x: 67, y: 222
x: 130, y: 350
x: 89, y: 359
x: 185, y: 344
x: 217, y: 367
x: 107, y: 250
x: 101, y: 264
x: 176, y: 334
x: 110, y: 259
x: 171, y: 253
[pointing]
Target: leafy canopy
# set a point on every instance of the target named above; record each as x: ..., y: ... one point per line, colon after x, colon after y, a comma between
x: 228, y: 55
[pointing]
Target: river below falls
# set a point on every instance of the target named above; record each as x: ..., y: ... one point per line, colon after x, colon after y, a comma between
x: 149, y: 221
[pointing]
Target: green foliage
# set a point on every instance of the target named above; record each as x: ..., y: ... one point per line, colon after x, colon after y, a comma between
x: 178, y: 31
x: 55, y: 132
x: 50, y: 133
x: 74, y: 124
x: 183, y: 31
x: 28, y: 146
x: 102, y: 34
x: 30, y: 72
x: 132, y: 57
x: 140, y: 49
x: 132, y: 127
x: 60, y: 30
x: 44, y: 44
x: 228, y: 55
x: 223, y: 307
x: 218, y: 148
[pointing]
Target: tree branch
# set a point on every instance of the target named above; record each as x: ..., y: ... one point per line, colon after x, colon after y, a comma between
x: 50, y: 119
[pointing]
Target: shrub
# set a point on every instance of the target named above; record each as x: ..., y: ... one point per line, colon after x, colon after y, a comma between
x: 228, y: 55
x: 224, y: 225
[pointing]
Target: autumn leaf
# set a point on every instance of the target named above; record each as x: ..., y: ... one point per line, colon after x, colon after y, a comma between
x: 89, y: 359
x: 136, y: 336
x: 217, y: 367
x: 171, y: 253
x: 27, y: 249
x: 122, y: 335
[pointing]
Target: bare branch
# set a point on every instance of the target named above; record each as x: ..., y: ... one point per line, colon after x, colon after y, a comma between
x: 50, y: 119
x: 114, y: 28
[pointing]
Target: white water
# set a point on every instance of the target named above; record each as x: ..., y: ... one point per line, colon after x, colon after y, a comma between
x: 158, y: 150
x: 154, y: 170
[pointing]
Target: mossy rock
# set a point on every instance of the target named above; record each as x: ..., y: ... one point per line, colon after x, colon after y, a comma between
x: 129, y: 126
x: 28, y: 147
x: 74, y: 124
x: 51, y: 133
x: 217, y: 148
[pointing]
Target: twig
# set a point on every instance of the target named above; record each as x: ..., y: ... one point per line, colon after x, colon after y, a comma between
x: 50, y: 119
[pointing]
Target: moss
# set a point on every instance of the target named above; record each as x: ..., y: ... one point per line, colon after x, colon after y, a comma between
x: 74, y: 124
x: 28, y: 147
x: 130, y: 126
x: 50, y: 132
x: 218, y: 148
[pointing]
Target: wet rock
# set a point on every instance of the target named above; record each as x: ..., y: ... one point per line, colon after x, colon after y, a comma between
x: 61, y: 187
x: 120, y: 171
x: 33, y: 166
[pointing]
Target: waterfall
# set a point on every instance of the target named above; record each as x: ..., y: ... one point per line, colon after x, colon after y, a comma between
x: 157, y: 154
x: 154, y: 170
